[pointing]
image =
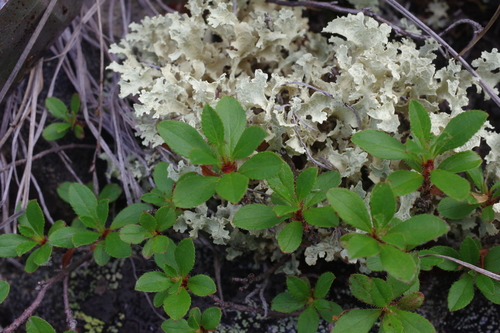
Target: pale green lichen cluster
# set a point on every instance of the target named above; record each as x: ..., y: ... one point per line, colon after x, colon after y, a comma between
x: 264, y: 56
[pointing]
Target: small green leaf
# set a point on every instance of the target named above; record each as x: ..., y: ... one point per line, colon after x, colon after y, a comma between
x: 211, y: 318
x: 133, y: 233
x: 489, y: 288
x: 102, y: 213
x: 476, y: 175
x: 82, y: 200
x: 55, y: 131
x: 250, y: 139
x: 298, y: 287
x: 492, y: 260
x: 420, y: 122
x: 194, y: 320
x: 202, y: 157
x: 35, y: 217
x: 57, y: 108
x: 283, y: 185
x: 290, y: 237
x: 232, y: 186
x: 323, y: 284
x: 4, y: 290
x: 413, y: 322
x: 459, y: 130
x: 75, y: 104
x: 460, y: 162
x: 469, y: 251
x: 391, y: 323
x: 321, y: 217
x: 380, y: 144
x: 201, y: 285
x: 101, y: 257
x: 451, y: 184
x: 327, y: 180
x: 428, y: 262
x: 256, y: 217
x: 194, y: 190
x: 263, y: 165
x: 79, y: 132
x: 153, y: 282
x: 382, y: 204
x: 117, y: 248
x: 177, y: 305
x: 8, y: 244
x: 160, y: 244
x: 397, y: 263
x: 350, y: 208
x: 357, y: 321
x: 165, y: 218
x: 85, y: 237
x: 405, y: 182
x: 212, y: 126
x: 160, y: 177
x: 447, y: 265
x: 185, y: 255
x: 308, y: 320
x: 488, y: 214
x: 454, y: 209
x: 282, y: 210
x: 234, y: 119
x: 286, y: 303
x: 42, y: 254
x: 359, y: 245
x: 461, y: 293
x: 25, y: 247
x: 411, y: 301
x: 179, y: 326
x: 38, y: 325
x: 305, y: 182
x: 64, y: 237
x: 182, y: 138
x: 330, y: 314
x: 111, y: 192
x: 361, y: 288
x: 148, y: 222
x: 129, y: 215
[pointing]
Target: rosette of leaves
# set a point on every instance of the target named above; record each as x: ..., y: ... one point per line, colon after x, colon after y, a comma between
x: 293, y: 200
x: 300, y: 294
x: 91, y: 228
x: 461, y: 292
x: 59, y: 110
x: 383, y: 234
x: 173, y: 284
x: 393, y: 310
x: 227, y: 140
x: 421, y: 150
x: 32, y: 233
x: 197, y: 322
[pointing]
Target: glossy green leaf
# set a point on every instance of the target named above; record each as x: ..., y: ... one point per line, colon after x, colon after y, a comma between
x: 404, y: 182
x: 334, y: 310
x: 177, y: 305
x: 411, y: 301
x: 305, y: 182
x: 361, y: 287
x: 160, y: 244
x: 359, y: 245
x: 420, y: 122
x: 382, y: 204
x: 85, y: 237
x: 492, y: 260
x: 4, y: 290
x: 74, y: 104
x: 290, y: 237
x: 194, y: 190
x: 469, y: 251
x: 428, y: 262
x: 413, y: 322
x: 459, y: 130
x: 212, y: 126
x: 327, y: 180
x: 460, y: 162
x: 117, y: 248
x: 55, y: 131
x: 147, y: 249
x: 262, y: 165
x: 179, y: 326
x: 323, y: 284
x: 308, y: 321
x: 454, y: 209
x: 165, y: 218
x: 24, y: 247
x: 232, y: 186
x: 488, y: 214
x: 24, y: 230
x: 42, y: 254
x: 298, y: 287
x: 38, y: 325
x: 185, y: 256
x: 133, y: 234
x: 256, y: 217
x: 451, y: 184
x: 380, y: 144
x: 489, y: 288
x: 161, y: 179
x: 447, y: 265
x: 101, y: 257
x: 211, y: 317
x: 201, y: 285
x: 194, y: 320
x: 182, y: 138
x: 102, y: 213
x: 64, y: 237
x: 321, y: 217
x: 350, y: 207
x: 397, y: 263
x: 391, y: 323
x: 148, y: 222
x: 8, y: 244
x: 202, y: 157
x: 82, y: 200
x: 250, y: 139
x: 129, y: 215
x: 234, y: 119
x: 35, y: 217
x: 283, y: 185
x: 282, y: 210
x: 57, y: 108
x: 286, y: 303
x: 111, y: 192
x: 357, y: 321
x: 153, y: 282
x: 476, y: 175
x: 461, y: 293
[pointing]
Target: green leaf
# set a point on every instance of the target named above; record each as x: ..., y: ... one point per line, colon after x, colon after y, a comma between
x: 194, y: 320
x: 4, y: 290
x: 492, y: 260
x: 179, y: 326
x: 182, y: 138
x: 469, y: 251
x: 202, y: 157
x: 357, y: 321
x: 327, y: 180
x: 9, y: 242
x: 459, y: 130
x: 153, y: 282
x: 451, y: 184
x: 290, y: 237
x: 282, y: 210
x: 476, y: 175
x: 308, y: 320
x: 177, y: 305
x: 321, y: 217
x: 133, y: 233
x: 263, y: 165
x: 461, y: 293
x: 57, y: 108
x: 25, y: 247
x: 382, y: 204
x: 35, y: 217
x: 414, y: 323
x: 160, y: 244
x: 165, y: 218
x: 359, y: 245
x: 328, y: 314
x: 447, y: 265
x: 454, y: 209
x: 250, y: 139
x: 101, y: 257
x: 85, y: 237
x: 234, y: 119
x: 361, y: 287
x: 129, y: 215
x: 489, y: 288
x: 256, y: 217
x: 102, y: 213
x: 194, y: 190
x: 460, y: 162
x: 232, y: 186
x: 82, y: 200
x: 488, y: 214
x: 212, y: 126
x: 390, y: 323
x: 323, y: 284
x: 55, y: 131
x: 298, y: 288
x: 148, y: 222
x: 411, y: 301
x: 350, y: 207
x: 427, y: 263
x: 111, y: 192
x: 380, y: 144
x: 397, y: 263
x: 64, y: 237
x: 201, y: 285
x: 79, y: 132
x: 75, y: 104
x: 420, y: 122
x: 185, y: 256
x: 381, y: 293
x: 42, y: 254
x: 38, y: 325
x: 117, y: 248
x: 286, y: 303
x: 404, y: 182
x: 283, y: 185
x: 305, y: 182
x: 160, y: 177
x: 211, y: 318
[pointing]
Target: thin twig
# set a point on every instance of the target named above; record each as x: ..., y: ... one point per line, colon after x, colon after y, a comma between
x: 252, y: 278
x: 244, y: 308
x: 465, y: 264
x: 67, y: 310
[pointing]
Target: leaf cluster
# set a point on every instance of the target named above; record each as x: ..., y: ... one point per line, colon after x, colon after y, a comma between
x: 59, y: 110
